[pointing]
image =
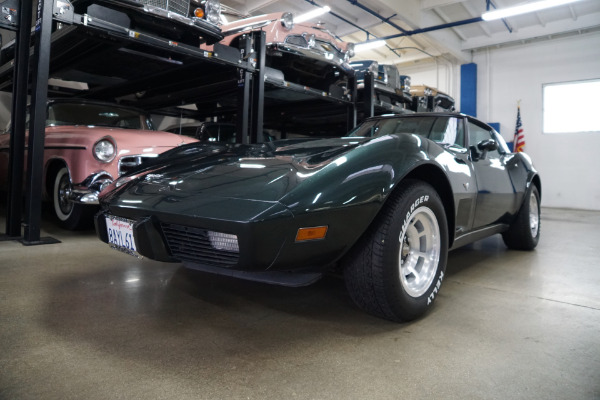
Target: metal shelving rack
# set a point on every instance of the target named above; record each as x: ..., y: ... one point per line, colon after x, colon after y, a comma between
x: 140, y: 69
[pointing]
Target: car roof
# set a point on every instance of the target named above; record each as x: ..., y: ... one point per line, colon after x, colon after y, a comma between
x: 422, y: 114
x: 430, y: 114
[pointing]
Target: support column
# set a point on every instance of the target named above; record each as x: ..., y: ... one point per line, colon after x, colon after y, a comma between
x: 468, y: 89
x: 244, y: 82
x: 351, y: 116
x: 258, y: 88
x: 369, y: 94
x: 37, y: 126
x: 14, y: 209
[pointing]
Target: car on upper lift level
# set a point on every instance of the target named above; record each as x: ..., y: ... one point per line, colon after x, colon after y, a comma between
x: 305, y: 53
x: 389, y: 85
x: 188, y: 21
x: 87, y: 146
x: 383, y: 205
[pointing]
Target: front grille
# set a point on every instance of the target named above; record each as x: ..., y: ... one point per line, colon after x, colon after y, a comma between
x: 192, y: 244
x: 177, y: 6
x: 127, y: 163
x: 296, y: 40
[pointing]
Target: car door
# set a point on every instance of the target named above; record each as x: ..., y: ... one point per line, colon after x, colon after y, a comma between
x: 495, y: 192
x: 449, y: 132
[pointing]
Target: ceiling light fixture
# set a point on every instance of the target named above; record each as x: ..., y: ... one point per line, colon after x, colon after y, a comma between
x: 312, y: 14
x: 369, y: 45
x: 523, y: 9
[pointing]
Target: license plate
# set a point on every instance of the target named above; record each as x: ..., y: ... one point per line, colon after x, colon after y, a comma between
x: 120, y: 234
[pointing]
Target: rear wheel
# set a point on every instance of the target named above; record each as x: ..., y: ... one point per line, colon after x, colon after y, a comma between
x: 70, y: 215
x: 397, y: 268
x: 524, y: 232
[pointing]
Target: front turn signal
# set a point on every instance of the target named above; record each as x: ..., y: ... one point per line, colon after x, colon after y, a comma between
x: 312, y: 233
x: 199, y: 13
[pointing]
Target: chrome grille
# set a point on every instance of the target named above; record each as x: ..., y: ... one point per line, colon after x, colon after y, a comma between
x: 177, y: 6
x: 296, y: 40
x: 192, y: 244
x: 127, y: 163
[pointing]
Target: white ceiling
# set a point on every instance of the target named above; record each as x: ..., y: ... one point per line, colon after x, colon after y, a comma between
x: 454, y: 43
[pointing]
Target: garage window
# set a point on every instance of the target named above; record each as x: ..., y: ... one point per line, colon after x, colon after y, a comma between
x: 571, y: 107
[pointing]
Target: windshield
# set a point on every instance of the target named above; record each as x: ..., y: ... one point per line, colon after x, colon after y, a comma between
x: 440, y: 129
x: 96, y: 115
x: 387, y: 126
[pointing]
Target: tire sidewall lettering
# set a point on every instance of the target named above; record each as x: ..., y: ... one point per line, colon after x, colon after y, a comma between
x: 423, y: 200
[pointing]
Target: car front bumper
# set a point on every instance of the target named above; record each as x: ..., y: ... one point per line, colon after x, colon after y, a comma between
x: 87, y: 192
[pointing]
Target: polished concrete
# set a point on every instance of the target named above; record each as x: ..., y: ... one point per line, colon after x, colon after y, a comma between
x: 81, y: 321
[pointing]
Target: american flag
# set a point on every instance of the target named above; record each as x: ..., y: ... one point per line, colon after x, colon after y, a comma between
x: 519, y: 141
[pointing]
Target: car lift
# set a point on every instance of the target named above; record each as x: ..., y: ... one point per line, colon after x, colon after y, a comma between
x: 254, y: 82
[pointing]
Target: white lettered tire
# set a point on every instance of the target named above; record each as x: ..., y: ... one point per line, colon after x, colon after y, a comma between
x: 397, y: 268
x: 70, y: 215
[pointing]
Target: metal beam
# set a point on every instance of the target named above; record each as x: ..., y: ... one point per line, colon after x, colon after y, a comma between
x: 14, y: 209
x: 258, y: 87
x: 37, y: 127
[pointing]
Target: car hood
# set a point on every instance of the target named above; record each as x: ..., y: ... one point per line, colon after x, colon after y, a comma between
x: 264, y: 173
x: 86, y: 136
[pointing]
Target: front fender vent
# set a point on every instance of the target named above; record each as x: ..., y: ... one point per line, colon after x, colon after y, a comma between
x: 194, y: 244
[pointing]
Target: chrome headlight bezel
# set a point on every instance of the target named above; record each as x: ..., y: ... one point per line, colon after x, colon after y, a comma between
x: 374, y: 68
x: 105, y: 149
x: 350, y: 50
x: 212, y: 11
x: 287, y: 21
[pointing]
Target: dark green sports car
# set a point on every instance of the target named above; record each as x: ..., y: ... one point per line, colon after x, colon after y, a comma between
x: 384, y: 204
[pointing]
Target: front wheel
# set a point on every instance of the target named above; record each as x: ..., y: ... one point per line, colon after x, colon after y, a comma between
x: 524, y: 232
x: 397, y: 268
x: 70, y: 215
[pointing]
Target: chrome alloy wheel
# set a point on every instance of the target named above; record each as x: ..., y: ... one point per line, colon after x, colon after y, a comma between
x: 534, y: 214
x: 419, y: 251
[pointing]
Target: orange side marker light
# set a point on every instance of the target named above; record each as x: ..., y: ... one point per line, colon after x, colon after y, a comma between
x: 312, y: 233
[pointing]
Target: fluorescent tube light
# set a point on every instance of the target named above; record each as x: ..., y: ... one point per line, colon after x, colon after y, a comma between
x: 312, y: 14
x: 523, y: 9
x: 369, y: 45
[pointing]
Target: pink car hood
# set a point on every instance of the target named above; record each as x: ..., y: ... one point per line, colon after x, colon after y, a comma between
x: 127, y: 140
x: 276, y: 33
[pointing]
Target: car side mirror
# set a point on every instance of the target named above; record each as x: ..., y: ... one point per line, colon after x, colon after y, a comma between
x: 484, y: 146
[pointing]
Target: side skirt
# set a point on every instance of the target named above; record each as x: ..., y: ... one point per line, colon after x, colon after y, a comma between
x: 478, y: 234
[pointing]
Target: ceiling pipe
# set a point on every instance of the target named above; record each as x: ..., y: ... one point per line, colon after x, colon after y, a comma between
x: 354, y: 25
x: 431, y: 28
x: 376, y: 14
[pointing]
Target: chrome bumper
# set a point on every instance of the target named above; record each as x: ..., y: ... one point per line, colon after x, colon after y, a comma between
x: 328, y: 58
x: 87, y: 191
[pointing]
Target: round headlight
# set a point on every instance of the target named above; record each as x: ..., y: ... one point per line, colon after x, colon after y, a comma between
x: 105, y: 150
x: 350, y: 50
x: 287, y: 20
x: 212, y: 10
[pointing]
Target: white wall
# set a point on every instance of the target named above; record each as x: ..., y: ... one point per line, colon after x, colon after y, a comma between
x: 569, y: 164
x: 443, y: 75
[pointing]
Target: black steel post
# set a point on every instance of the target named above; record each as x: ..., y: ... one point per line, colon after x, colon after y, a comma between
x: 14, y: 208
x: 258, y: 88
x: 39, y: 98
x: 369, y: 94
x: 244, y: 81
x: 351, y: 117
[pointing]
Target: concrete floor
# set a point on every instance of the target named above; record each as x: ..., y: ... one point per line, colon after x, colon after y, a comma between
x: 81, y: 321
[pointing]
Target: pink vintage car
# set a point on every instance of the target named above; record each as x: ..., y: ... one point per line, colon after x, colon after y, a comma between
x: 306, y: 53
x: 87, y: 146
